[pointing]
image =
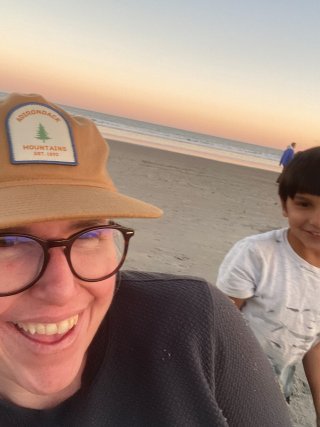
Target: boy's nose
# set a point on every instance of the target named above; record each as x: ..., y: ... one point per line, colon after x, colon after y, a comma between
x: 315, y: 219
x: 57, y: 284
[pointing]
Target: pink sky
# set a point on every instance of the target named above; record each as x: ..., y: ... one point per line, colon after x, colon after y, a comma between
x: 229, y: 72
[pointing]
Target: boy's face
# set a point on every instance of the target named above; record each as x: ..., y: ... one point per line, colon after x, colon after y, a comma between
x: 303, y: 213
x: 40, y: 364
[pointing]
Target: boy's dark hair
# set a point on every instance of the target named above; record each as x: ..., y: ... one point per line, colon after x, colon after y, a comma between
x: 302, y: 175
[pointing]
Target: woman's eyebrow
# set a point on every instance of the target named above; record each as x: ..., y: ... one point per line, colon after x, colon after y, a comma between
x: 13, y: 230
x: 89, y: 223
x: 76, y: 225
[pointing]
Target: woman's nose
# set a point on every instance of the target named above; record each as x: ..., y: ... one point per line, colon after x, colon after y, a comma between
x: 57, y: 284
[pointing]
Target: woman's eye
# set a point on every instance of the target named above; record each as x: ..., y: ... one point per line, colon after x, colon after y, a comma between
x: 7, y: 242
x: 89, y: 235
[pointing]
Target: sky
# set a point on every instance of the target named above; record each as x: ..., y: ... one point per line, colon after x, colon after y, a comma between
x: 247, y: 70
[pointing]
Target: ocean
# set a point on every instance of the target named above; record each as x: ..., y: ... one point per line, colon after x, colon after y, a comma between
x: 183, y: 141
x: 179, y: 140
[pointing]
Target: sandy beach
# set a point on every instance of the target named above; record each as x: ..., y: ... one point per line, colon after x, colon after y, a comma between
x: 208, y: 206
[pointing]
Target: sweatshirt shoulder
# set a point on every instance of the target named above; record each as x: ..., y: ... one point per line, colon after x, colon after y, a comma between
x: 145, y: 277
x: 173, y: 293
x: 164, y: 292
x: 150, y: 283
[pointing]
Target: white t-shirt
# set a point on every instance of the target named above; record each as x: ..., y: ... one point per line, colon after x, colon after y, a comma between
x: 283, y: 292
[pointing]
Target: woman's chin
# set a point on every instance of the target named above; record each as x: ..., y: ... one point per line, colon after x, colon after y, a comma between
x: 46, y: 388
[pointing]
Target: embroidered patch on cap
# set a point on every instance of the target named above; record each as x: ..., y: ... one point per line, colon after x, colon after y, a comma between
x: 38, y: 133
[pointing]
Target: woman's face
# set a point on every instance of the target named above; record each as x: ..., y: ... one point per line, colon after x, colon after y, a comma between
x: 45, y: 331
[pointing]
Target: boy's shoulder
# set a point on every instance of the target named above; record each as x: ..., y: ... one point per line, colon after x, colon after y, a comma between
x: 263, y: 239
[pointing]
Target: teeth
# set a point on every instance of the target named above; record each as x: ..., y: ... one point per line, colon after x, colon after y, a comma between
x: 49, y: 328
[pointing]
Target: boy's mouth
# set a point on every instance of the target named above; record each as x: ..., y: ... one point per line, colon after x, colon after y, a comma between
x: 59, y: 328
x: 314, y: 233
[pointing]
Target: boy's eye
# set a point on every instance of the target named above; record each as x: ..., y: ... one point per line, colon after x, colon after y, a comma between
x: 302, y: 203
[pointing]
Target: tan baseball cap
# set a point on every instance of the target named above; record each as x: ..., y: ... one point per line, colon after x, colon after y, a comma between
x: 54, y: 166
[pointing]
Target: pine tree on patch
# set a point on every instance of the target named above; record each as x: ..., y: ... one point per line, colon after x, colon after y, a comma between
x: 42, y: 133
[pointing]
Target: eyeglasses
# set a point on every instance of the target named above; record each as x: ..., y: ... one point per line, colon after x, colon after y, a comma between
x: 93, y: 254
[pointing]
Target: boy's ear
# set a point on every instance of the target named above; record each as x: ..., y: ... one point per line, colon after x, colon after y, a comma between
x: 284, y: 208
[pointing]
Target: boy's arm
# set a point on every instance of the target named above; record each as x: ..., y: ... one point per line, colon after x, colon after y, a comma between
x: 239, y: 302
x: 237, y: 274
x: 311, y: 364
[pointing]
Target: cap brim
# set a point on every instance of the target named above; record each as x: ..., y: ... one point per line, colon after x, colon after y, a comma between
x: 28, y: 204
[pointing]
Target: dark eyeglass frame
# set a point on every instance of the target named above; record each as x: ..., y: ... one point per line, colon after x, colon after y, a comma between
x: 67, y: 243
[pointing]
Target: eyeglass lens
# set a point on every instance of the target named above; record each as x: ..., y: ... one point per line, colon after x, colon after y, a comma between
x: 97, y: 253
x: 94, y: 254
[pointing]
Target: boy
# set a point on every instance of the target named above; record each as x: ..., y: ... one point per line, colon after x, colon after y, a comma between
x: 274, y: 278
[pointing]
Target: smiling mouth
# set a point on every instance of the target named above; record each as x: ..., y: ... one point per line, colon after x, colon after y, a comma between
x: 314, y: 233
x: 48, y: 329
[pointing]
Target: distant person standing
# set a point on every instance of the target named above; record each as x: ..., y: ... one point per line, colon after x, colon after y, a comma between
x: 286, y: 157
